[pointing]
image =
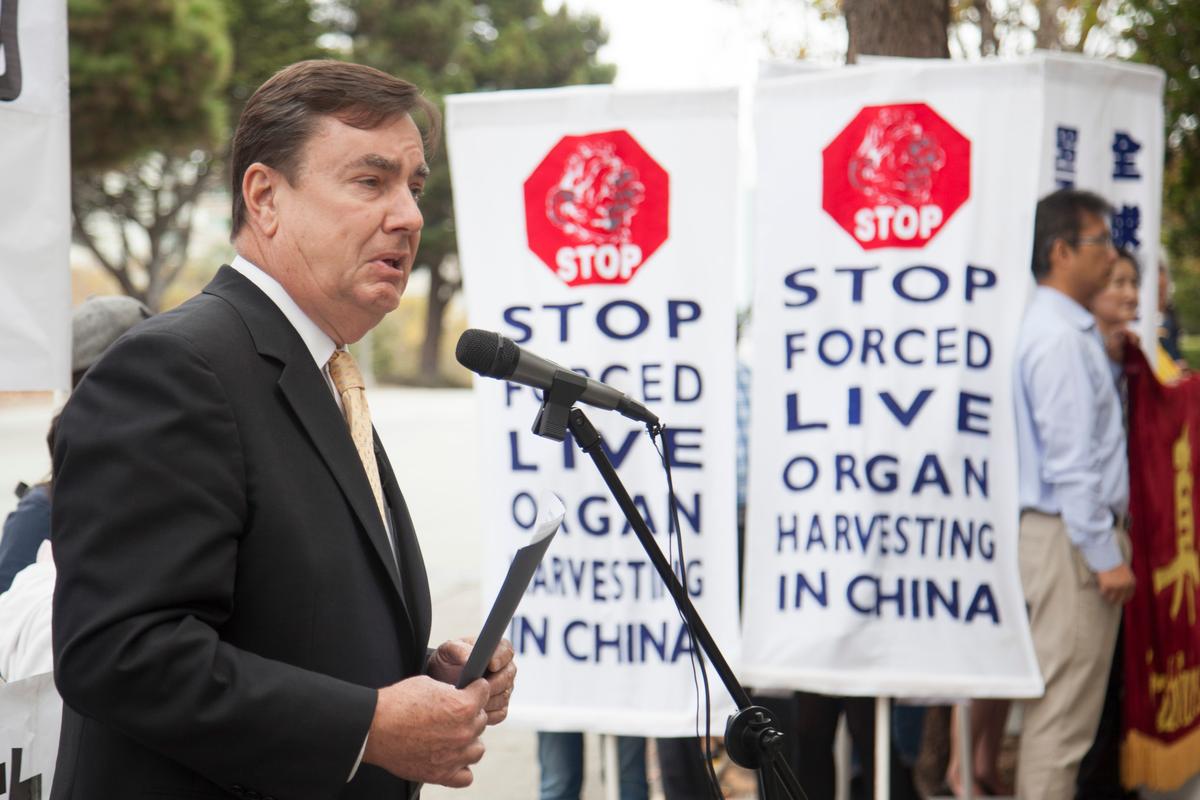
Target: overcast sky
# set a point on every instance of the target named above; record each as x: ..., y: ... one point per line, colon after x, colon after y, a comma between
x: 694, y: 43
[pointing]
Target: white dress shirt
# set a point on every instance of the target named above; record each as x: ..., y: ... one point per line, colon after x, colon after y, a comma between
x: 318, y: 342
x: 1070, y: 430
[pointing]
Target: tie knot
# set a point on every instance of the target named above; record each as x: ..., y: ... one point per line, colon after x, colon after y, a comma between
x: 344, y: 372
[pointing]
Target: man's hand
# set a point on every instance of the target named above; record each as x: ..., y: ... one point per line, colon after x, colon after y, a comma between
x: 501, y: 677
x: 1116, y: 584
x: 447, y: 662
x: 427, y: 731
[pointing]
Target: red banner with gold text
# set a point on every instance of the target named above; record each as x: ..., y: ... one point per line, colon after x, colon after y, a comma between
x: 1161, y: 747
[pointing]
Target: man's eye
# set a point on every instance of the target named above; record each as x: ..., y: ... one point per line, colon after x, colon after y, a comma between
x: 370, y: 183
x: 418, y: 192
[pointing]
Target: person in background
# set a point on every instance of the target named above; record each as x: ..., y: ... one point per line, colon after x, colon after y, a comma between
x: 988, y: 719
x: 560, y: 756
x: 1115, y: 309
x: 1169, y: 364
x: 25, y: 605
x: 1073, y: 485
x: 95, y: 325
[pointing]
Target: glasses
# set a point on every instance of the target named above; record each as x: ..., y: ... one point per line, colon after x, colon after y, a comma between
x: 1102, y: 239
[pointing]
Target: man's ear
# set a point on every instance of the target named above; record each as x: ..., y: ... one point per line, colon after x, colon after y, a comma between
x: 259, y: 185
x: 1060, y: 252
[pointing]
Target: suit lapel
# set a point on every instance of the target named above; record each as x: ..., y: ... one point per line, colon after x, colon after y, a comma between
x: 305, y: 390
x: 416, y: 581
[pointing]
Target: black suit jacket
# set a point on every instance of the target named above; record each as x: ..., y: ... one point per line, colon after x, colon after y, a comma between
x: 227, y: 598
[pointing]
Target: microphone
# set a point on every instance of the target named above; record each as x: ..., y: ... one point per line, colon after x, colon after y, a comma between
x: 495, y: 356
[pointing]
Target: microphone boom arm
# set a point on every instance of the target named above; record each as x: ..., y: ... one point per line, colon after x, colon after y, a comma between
x: 752, y: 738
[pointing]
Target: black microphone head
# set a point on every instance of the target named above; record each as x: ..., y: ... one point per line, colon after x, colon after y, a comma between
x: 487, y: 352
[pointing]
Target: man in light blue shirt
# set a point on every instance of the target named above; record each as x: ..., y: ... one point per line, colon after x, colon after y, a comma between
x: 1074, y: 489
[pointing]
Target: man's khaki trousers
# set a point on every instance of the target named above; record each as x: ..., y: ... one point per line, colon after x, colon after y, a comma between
x: 1074, y: 632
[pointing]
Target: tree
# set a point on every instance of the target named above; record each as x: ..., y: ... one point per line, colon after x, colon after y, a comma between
x: 267, y: 36
x: 1009, y: 27
x: 1167, y: 35
x: 154, y: 84
x: 1000, y: 27
x: 913, y: 29
x: 455, y: 46
x: 146, y: 92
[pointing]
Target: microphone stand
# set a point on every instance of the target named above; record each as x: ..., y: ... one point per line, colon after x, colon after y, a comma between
x: 751, y: 737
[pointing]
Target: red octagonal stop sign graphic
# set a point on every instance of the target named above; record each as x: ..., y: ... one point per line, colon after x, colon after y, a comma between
x: 596, y: 208
x: 895, y: 175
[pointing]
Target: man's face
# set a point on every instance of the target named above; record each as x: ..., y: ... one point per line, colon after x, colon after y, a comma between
x: 349, y: 226
x: 1088, y: 263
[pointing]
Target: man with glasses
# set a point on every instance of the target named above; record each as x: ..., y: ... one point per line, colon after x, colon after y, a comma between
x: 1073, y: 485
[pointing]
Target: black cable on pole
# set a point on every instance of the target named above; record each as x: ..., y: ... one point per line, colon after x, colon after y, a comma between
x: 752, y: 740
x: 696, y: 656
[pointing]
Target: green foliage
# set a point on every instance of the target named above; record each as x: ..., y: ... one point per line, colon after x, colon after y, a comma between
x: 1186, y: 277
x: 267, y: 35
x: 1167, y: 35
x: 458, y: 46
x: 155, y: 85
x: 1190, y: 347
x: 145, y: 74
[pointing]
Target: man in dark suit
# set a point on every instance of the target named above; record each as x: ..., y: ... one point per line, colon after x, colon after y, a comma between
x: 241, y: 607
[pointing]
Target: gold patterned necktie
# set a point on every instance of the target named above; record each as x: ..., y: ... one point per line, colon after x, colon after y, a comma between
x: 349, y: 384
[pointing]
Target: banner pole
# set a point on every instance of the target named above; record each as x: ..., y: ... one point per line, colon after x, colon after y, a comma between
x: 966, y: 757
x: 883, y: 747
x: 843, y: 759
x: 612, y: 767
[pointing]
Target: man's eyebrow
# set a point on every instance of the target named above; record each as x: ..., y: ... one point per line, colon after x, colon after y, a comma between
x: 384, y: 164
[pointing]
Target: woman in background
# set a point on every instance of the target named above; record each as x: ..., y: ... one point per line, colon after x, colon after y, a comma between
x: 1114, y: 309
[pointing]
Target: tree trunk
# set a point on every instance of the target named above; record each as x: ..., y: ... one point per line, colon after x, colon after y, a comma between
x: 439, y: 294
x: 908, y: 28
x: 989, y: 44
x: 1047, y: 33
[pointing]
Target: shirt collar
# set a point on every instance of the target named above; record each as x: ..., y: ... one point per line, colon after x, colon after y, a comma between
x: 319, y: 344
x: 1065, y: 307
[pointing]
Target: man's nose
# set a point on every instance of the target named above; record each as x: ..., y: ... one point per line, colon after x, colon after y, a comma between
x: 404, y: 214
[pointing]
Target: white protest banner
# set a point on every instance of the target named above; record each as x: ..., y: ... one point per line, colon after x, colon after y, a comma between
x: 35, y: 217
x: 1104, y: 132
x: 596, y: 228
x: 30, y: 716
x: 895, y: 215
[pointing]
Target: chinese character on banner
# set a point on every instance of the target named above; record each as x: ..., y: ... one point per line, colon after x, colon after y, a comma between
x: 1065, y: 145
x: 1124, y: 148
x: 1125, y: 222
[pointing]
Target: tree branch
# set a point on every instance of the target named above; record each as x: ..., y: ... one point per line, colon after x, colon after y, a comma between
x: 85, y: 237
x: 989, y: 45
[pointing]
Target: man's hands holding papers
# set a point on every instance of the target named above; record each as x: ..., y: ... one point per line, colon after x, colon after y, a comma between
x: 448, y: 660
x: 426, y: 730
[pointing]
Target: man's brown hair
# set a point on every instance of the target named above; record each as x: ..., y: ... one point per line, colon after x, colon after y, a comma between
x: 1060, y: 215
x: 281, y: 116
